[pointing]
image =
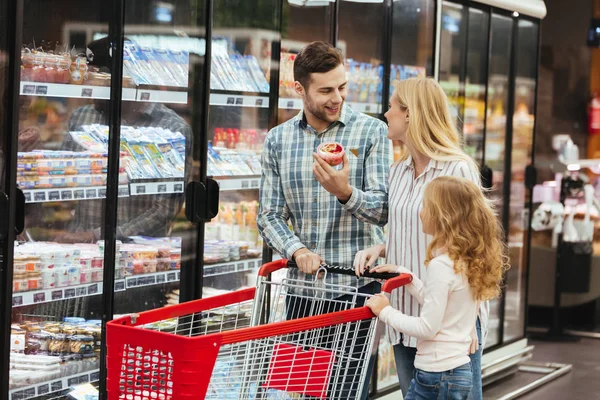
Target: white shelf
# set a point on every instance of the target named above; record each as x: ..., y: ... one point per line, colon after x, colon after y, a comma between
x: 238, y: 100
x: 370, y: 108
x: 54, y: 385
x: 249, y: 183
x: 99, y: 192
x: 70, y: 194
x: 232, y: 267
x: 161, y: 96
x: 100, y: 92
x: 162, y: 187
x: 157, y: 278
x: 20, y: 299
x: 290, y: 104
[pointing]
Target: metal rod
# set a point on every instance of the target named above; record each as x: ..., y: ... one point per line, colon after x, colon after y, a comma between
x: 334, y: 20
x: 387, y: 55
x: 116, y: 38
x: 13, y: 34
x: 526, y: 350
x: 488, y: 57
x: 565, y: 368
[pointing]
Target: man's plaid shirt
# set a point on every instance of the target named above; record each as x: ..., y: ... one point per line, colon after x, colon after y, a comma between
x: 290, y: 192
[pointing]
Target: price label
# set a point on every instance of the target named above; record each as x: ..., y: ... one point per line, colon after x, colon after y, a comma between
x: 94, y: 376
x: 91, y: 194
x: 123, y: 192
x: 54, y: 195
x: 171, y: 277
x: 102, y: 193
x: 240, y: 267
x: 17, y: 301
x: 245, y: 184
x: 72, y: 381
x: 27, y: 197
x: 230, y: 100
x: 81, y: 291
x: 161, y: 278
x: 251, y: 264
x: 69, y: 293
x: 259, y: 102
x: 162, y: 188
x: 178, y: 188
x: 132, y: 282
x: 290, y: 104
x: 66, y: 195
x: 86, y: 92
x: 43, y: 389
x: 368, y: 108
x: 79, y: 194
x: 179, y: 276
x: 56, y: 386
x: 39, y: 297
x: 93, y: 289
x: 57, y: 294
x: 140, y: 189
x: 42, y: 90
x: 119, y: 286
x: 39, y: 196
x: 239, y: 101
x: 28, y: 89
x: 255, y: 183
x: 84, y: 379
x: 145, y: 96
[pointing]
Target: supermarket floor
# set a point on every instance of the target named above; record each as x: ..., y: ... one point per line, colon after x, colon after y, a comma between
x: 581, y: 383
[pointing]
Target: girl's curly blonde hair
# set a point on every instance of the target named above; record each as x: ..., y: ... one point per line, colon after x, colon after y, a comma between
x: 467, y: 228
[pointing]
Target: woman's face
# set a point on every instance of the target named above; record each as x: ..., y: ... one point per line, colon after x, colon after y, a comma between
x: 397, y: 117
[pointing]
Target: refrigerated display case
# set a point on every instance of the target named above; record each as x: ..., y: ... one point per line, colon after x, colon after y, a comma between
x: 142, y: 191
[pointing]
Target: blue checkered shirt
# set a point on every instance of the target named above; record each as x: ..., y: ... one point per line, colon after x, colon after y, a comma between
x: 289, y: 191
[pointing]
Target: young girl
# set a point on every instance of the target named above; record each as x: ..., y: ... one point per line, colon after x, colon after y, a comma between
x: 466, y: 260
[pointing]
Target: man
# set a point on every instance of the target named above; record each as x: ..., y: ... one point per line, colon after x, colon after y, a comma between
x: 333, y: 213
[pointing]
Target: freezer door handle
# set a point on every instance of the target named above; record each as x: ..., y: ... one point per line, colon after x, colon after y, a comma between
x: 486, y: 177
x: 20, y: 214
x: 202, y: 201
x: 3, y: 221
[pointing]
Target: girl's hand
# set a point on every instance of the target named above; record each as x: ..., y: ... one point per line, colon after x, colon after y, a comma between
x: 474, y: 342
x: 364, y: 259
x: 378, y: 303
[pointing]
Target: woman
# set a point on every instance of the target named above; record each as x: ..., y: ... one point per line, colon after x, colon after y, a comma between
x: 419, y: 118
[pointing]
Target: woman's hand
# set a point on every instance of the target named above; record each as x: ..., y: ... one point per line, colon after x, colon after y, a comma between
x: 364, y: 259
x: 378, y: 303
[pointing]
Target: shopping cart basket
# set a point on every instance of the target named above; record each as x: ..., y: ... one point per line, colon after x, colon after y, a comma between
x: 207, y: 349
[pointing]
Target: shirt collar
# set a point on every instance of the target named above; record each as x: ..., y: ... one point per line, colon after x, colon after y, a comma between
x: 345, y: 117
x: 433, y: 164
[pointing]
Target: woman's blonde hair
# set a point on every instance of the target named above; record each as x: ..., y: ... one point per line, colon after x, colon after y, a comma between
x: 431, y: 130
x: 467, y: 227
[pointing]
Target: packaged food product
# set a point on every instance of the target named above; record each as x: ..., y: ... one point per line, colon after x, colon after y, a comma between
x: 98, y: 262
x: 59, y: 344
x: 74, y: 275
x: 149, y: 266
x: 62, y: 276
x: 175, y: 254
x: 20, y: 285
x: 138, y: 267
x: 19, y: 267
x: 51, y: 327
x: 78, y: 70
x: 97, y: 274
x: 49, y: 278
x: 82, y: 344
x: 86, y: 262
x: 332, y: 152
x: 175, y: 264
x: 73, y: 320
x: 86, y: 275
x: 17, y: 339
x: 35, y: 283
x: 37, y: 342
x: 164, y: 264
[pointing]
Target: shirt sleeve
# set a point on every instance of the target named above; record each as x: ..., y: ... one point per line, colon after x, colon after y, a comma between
x: 273, y: 212
x: 437, y: 287
x: 370, y: 204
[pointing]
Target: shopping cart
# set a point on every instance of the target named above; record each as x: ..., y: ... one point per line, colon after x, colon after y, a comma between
x: 229, y: 347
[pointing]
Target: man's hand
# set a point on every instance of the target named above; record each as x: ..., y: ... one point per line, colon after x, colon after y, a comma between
x: 335, y: 182
x: 308, y: 262
x: 364, y: 259
x: 77, y: 237
x: 377, y: 303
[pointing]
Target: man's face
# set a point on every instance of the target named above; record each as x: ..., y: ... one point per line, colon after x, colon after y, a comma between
x: 325, y: 94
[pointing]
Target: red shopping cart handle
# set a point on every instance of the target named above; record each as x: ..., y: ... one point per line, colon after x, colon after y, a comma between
x: 349, y: 271
x: 393, y: 281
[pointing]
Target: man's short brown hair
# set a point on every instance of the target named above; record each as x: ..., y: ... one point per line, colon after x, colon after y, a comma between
x: 317, y: 57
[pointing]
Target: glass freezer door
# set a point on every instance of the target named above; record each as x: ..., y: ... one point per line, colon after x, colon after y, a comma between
x: 61, y: 168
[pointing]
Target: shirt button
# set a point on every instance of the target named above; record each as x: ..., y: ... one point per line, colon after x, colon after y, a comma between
x: 315, y: 199
x: 314, y: 224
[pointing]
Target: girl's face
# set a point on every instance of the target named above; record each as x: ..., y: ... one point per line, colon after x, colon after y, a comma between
x: 397, y: 117
x: 426, y: 221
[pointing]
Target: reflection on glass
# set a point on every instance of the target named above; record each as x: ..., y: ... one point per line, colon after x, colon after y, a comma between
x: 495, y: 147
x: 474, y: 108
x: 303, y: 22
x: 361, y: 35
x: 522, y: 140
x: 452, y: 48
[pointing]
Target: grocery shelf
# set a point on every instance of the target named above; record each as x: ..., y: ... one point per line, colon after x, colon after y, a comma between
x: 238, y: 100
x: 99, y: 192
x: 246, y: 183
x: 371, y: 108
x: 54, y: 385
x: 290, y: 104
x: 231, y: 267
x: 297, y: 104
x: 69, y: 194
x: 161, y: 187
x: 20, y: 299
x: 156, y: 278
x: 100, y: 92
